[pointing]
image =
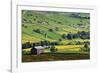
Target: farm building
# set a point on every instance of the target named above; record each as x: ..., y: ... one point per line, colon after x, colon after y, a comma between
x: 38, y: 49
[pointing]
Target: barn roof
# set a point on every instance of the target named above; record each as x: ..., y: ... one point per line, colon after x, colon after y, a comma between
x: 39, y: 47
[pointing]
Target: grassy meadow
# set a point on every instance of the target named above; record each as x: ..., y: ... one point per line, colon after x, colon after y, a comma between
x: 55, y: 36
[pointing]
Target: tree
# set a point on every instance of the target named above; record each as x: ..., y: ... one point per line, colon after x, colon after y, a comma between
x: 53, y: 49
x: 22, y: 25
x: 37, y: 30
x: 59, y: 22
x: 33, y: 50
x: 39, y: 22
x: 45, y: 34
x: 64, y: 36
x: 26, y: 45
x: 23, y: 46
x: 51, y: 30
x: 34, y: 19
x: 75, y: 36
x: 25, y: 26
x: 56, y: 28
x: 46, y: 42
x: 42, y: 43
x: 69, y: 36
x: 34, y: 44
x: 85, y: 48
x: 24, y: 20
x: 84, y: 35
x: 60, y: 39
x: 30, y: 21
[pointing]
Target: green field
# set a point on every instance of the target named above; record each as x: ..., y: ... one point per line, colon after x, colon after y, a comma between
x: 55, y: 57
x: 66, y: 32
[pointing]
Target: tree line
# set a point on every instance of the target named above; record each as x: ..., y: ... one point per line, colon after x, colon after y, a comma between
x: 41, y: 43
x: 81, y: 35
x: 48, y: 43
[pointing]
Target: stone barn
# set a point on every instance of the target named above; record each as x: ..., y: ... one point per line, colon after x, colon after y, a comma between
x: 37, y: 50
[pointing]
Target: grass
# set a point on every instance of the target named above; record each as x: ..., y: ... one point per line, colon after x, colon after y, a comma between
x: 72, y: 48
x: 68, y: 46
x: 67, y: 25
x: 50, y: 20
x: 55, y: 57
x: 61, y: 49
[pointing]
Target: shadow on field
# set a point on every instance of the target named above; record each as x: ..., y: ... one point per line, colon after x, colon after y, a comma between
x: 55, y: 57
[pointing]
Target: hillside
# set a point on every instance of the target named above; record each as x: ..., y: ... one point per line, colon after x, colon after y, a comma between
x: 51, y: 26
x: 52, y: 36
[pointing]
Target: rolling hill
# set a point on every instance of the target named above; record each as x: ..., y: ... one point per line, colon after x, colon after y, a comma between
x: 46, y: 25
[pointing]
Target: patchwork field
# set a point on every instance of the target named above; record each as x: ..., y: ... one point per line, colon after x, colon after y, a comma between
x: 60, y: 36
x: 60, y: 48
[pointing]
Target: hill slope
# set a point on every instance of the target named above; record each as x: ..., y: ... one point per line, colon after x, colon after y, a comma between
x: 38, y: 25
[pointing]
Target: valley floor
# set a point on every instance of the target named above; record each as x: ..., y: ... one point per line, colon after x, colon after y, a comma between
x: 55, y: 57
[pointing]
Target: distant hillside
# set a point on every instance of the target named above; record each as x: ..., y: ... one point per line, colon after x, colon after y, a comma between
x: 51, y: 26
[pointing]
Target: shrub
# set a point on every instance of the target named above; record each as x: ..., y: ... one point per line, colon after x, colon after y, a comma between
x: 86, y: 48
x: 51, y: 30
x: 26, y: 45
x: 69, y: 36
x: 59, y: 22
x: 53, y: 49
x: 37, y: 30
x: 56, y: 28
x: 64, y: 36
x: 25, y: 26
x: 60, y: 39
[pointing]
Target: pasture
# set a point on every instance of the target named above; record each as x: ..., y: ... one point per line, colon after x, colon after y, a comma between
x: 56, y: 57
x: 66, y: 33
